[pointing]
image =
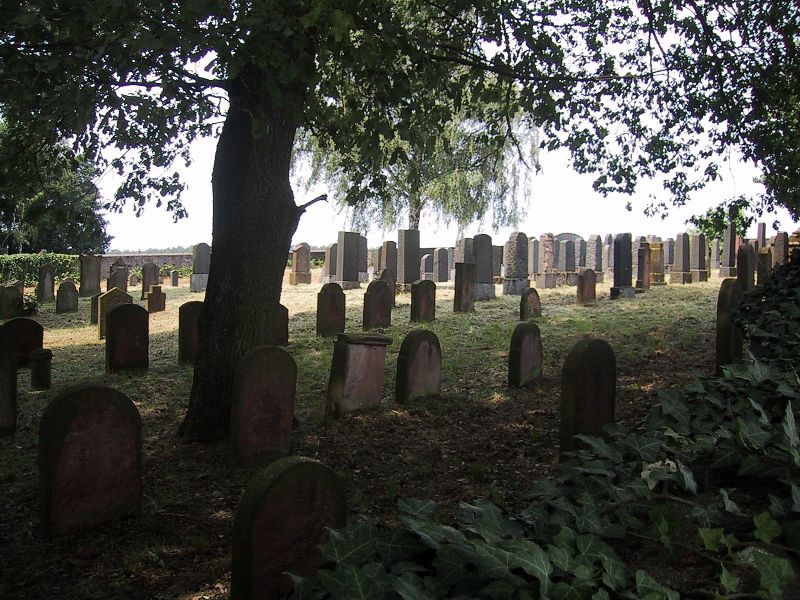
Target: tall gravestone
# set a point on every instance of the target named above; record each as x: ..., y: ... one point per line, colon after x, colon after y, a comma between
x: 546, y: 277
x: 669, y: 254
x: 389, y: 256
x: 201, y: 267
x: 90, y: 275
x: 657, y: 263
x: 8, y: 384
x: 515, y: 256
x: 363, y: 259
x: 525, y: 355
x: 608, y: 261
x: 301, y: 264
x: 423, y: 301
x: 643, y: 267
x: 623, y: 265
x: 464, y: 296
x: 347, y: 259
x: 151, y: 275
x: 280, y: 336
x: 189, y: 331
x: 533, y: 258
x: 763, y: 265
x: 388, y: 276
x: 497, y: 261
x: 715, y: 258
x: 407, y: 257
x: 729, y: 340
x: 681, y: 270
x: 90, y: 459
x: 746, y: 267
x: 262, y: 405
x: 24, y: 335
x: 67, y: 297
x: 45, y: 288
x: 357, y: 373
x: 484, y: 280
x: 594, y: 254
x: 377, y: 305
x: 441, y: 268
x: 329, y: 268
x: 781, y: 251
x: 426, y: 267
x: 127, y: 339
x: 588, y: 391
x: 698, y: 257
x: 330, y: 310
x: 566, y: 256
x: 530, y: 306
x: 727, y: 267
x: 586, y: 288
x: 107, y: 302
x: 761, y: 236
x: 580, y: 253
x: 419, y: 366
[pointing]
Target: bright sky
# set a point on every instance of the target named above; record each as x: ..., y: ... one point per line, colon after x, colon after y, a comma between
x: 562, y: 201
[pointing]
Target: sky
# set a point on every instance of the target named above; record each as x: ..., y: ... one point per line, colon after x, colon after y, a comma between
x: 561, y: 201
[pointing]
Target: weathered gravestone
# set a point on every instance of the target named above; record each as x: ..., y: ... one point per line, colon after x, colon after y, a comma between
x: 329, y: 268
x: 347, y: 259
x: 284, y: 515
x: 657, y: 263
x: 20, y: 285
x: 594, y: 253
x: 262, y: 405
x: 45, y: 288
x: 174, y: 279
x: 423, y: 301
x: 715, y: 257
x: 643, y: 267
x: 133, y: 281
x: 8, y: 384
x: 118, y: 279
x: 151, y: 275
x: 727, y: 267
x: 588, y: 391
x: 441, y: 269
x: 546, y: 277
x: 41, y: 368
x: 729, y: 334
x: 281, y: 321
x: 90, y: 275
x: 90, y: 458
x: 746, y: 267
x: 681, y: 271
x: 377, y: 305
x: 93, y: 308
x: 301, y: 264
x: 389, y: 256
x: 566, y: 256
x: 530, y: 306
x: 407, y: 257
x: 763, y: 265
x: 515, y: 261
x: 107, y: 302
x: 356, y: 380
x: 484, y: 280
x: 781, y: 250
x: 698, y: 258
x: 622, y: 265
x: 25, y: 336
x: 419, y: 366
x: 426, y: 267
x: 525, y: 355
x: 201, y: 267
x: 11, y: 304
x: 388, y: 276
x: 533, y: 258
x: 155, y: 300
x: 587, y: 287
x: 464, y: 297
x: 127, y: 339
x: 188, y: 331
x: 330, y: 310
x: 363, y: 259
x: 761, y: 236
x: 67, y: 298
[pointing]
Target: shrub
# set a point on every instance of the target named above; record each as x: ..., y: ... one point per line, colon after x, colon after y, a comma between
x: 26, y: 266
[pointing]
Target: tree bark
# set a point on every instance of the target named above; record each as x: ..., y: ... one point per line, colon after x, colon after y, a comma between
x: 414, y: 210
x: 255, y: 217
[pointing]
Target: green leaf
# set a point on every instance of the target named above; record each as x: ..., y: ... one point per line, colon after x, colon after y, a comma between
x: 533, y: 560
x: 417, y: 508
x: 493, y: 562
x: 774, y: 572
x: 601, y: 447
x: 712, y: 538
x: 647, y: 586
x: 790, y: 434
x: 353, y: 545
x: 614, y: 573
x: 573, y: 590
x: 689, y: 483
x: 767, y: 528
x: 593, y: 547
x: 795, y: 498
x: 359, y: 584
x: 490, y: 522
x: 411, y: 587
x: 730, y: 505
x: 450, y: 563
x: 561, y: 558
x: 398, y: 544
x: 729, y: 580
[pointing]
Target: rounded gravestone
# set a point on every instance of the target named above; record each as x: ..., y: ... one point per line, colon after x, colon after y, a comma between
x: 530, y: 305
x: 128, y: 339
x: 67, y: 297
x: 525, y: 355
x: 26, y: 335
x: 283, y: 517
x: 90, y: 458
x: 188, y: 331
x: 330, y: 310
x: 377, y: 305
x: 11, y: 304
x: 419, y: 366
x: 423, y: 301
x: 586, y: 290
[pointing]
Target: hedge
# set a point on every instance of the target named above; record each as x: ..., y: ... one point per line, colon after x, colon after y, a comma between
x: 26, y: 266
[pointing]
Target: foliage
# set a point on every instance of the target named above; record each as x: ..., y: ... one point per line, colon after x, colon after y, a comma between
x: 26, y: 266
x: 714, y: 221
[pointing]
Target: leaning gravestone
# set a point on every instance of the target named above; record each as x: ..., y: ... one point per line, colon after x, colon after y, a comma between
x: 155, y: 300
x: 746, y: 267
x: 464, y: 297
x: 525, y: 355
x: 201, y: 267
x: 90, y: 275
x: 357, y: 373
x: 90, y: 458
x: 377, y: 305
x: 8, y: 384
x: 107, y: 302
x: 330, y: 310
x: 151, y: 275
x: 45, y: 289
x: 530, y: 306
x: 11, y: 304
x: 188, y: 331
x: 127, y: 339
x: 67, y: 298
x: 423, y: 301
x: 729, y: 333
x: 25, y: 336
x: 419, y: 366
x: 515, y: 257
x: 262, y: 405
x: 587, y: 288
x: 284, y: 516
x: 588, y: 391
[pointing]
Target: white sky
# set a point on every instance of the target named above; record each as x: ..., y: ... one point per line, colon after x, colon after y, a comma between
x: 562, y: 201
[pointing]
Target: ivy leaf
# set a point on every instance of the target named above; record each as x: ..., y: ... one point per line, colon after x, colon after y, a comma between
x: 601, y: 447
x: 614, y: 573
x: 411, y: 587
x: 359, y: 584
x: 490, y: 522
x: 593, y: 547
x: 573, y: 590
x: 790, y: 434
x: 493, y: 562
x: 648, y: 587
x: 689, y: 483
x: 729, y: 580
x: 533, y: 560
x: 399, y: 545
x: 712, y: 538
x: 730, y: 505
x: 450, y: 563
x: 767, y: 528
x: 417, y: 508
x: 353, y: 545
x: 774, y: 571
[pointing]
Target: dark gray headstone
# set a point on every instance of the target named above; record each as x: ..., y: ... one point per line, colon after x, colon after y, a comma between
x: 525, y: 355
x: 389, y: 256
x: 377, y: 305
x: 781, y: 251
x: 697, y: 258
x: 464, y: 298
x: 189, y: 331
x: 419, y: 366
x: 482, y: 250
x: 746, y: 267
x: 681, y: 271
x: 45, y: 288
x: 330, y: 310
x: 150, y: 276
x: 727, y: 267
x: 407, y: 256
x: 533, y: 257
x: 90, y: 275
x: 441, y: 269
x: 127, y: 339
x: 623, y: 265
x: 497, y: 261
x: 201, y: 259
x: 730, y: 337
x: 67, y: 298
x: 423, y: 301
x: 348, y: 259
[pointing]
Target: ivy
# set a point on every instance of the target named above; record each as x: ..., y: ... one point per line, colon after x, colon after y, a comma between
x: 25, y: 267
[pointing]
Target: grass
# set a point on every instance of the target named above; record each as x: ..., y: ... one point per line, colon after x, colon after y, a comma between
x: 479, y: 439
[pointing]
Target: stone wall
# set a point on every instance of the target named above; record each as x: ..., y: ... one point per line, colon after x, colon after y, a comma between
x: 137, y: 260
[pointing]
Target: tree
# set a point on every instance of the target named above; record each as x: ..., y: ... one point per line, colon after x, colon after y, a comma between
x: 51, y: 203
x: 632, y: 90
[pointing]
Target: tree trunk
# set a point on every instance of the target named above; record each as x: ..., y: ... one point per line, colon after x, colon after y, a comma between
x: 414, y: 210
x: 254, y: 219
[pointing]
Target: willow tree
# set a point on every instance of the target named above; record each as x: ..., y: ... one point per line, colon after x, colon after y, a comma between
x: 632, y: 90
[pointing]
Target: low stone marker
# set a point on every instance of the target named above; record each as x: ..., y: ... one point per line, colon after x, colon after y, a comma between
x: 423, y: 301
x: 67, y: 298
x: 729, y: 335
x: 155, y: 300
x: 25, y: 336
x: 188, y: 331
x: 284, y: 515
x: 262, y: 405
x: 588, y: 391
x: 525, y: 355
x: 8, y: 384
x: 173, y: 278
x: 530, y: 306
x: 41, y: 369
x: 464, y: 298
x: 281, y: 326
x: 301, y: 264
x: 357, y: 373
x: 45, y: 289
x: 11, y: 304
x: 127, y: 339
x: 107, y: 302
x: 419, y: 366
x: 746, y: 267
x: 90, y: 458
x: 133, y: 281
x: 377, y: 305
x: 587, y: 288
x: 20, y: 285
x: 201, y: 267
x: 151, y: 275
x: 330, y: 310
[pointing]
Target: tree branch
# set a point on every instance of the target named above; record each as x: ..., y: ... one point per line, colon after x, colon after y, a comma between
x: 321, y: 198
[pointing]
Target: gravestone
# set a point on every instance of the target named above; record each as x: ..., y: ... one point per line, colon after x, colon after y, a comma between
x: 330, y: 310
x: 730, y: 337
x: 697, y: 261
x: 45, y: 288
x: 262, y: 405
x: 464, y: 251
x: 594, y: 254
x: 105, y: 303
x: 8, y: 384
x: 155, y: 300
x: 781, y: 250
x: 173, y: 278
x: 657, y: 263
x: 546, y: 277
x: 608, y: 261
x: 763, y: 265
x: 387, y: 275
x: 150, y: 276
x: 622, y: 265
x: 329, y: 268
x: 441, y: 267
x: 525, y: 355
x: 515, y: 257
x: 127, y: 339
x: 24, y: 336
x: 201, y: 267
x: 533, y: 258
x: 746, y: 267
x: 188, y: 331
x: 464, y: 288
x: 566, y: 256
x: 681, y: 271
x: 67, y: 298
x: 484, y: 280
x: 347, y: 260
x: 643, y: 267
x: 530, y: 306
x: 588, y: 391
x: 407, y: 257
x: 715, y: 258
x: 90, y: 275
x: 375, y: 261
x: 281, y: 321
x: 497, y: 261
x: 728, y: 265
x: 580, y: 253
x: 761, y: 236
x: 90, y: 459
x: 423, y: 301
x: 426, y: 267
x: 118, y: 279
x: 389, y: 256
x: 377, y: 305
x: 93, y: 308
x: 363, y: 252
x: 41, y: 369
x: 285, y: 514
x: 357, y: 373
x: 20, y: 285
x: 133, y: 281
x: 669, y: 254
x: 11, y: 303
x: 419, y: 366
x: 587, y: 287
